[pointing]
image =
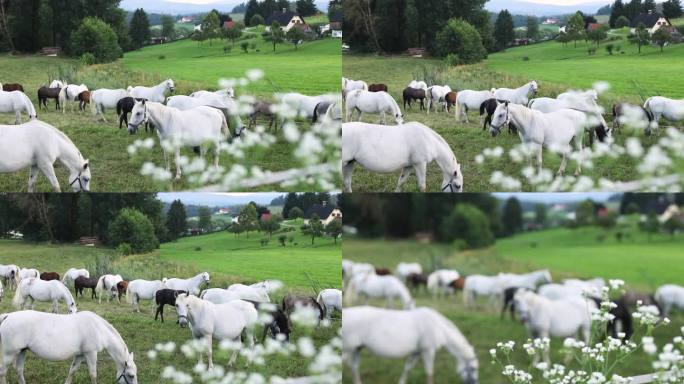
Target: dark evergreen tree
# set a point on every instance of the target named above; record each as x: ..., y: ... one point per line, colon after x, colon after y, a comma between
x: 139, y: 29
x: 617, y: 10
x: 176, y: 220
x: 504, y: 31
x: 512, y: 216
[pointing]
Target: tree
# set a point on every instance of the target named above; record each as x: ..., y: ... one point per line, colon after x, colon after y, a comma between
x: 540, y: 214
x: 622, y: 22
x: 236, y: 228
x: 584, y: 214
x: 248, y: 218
x: 176, y: 220
x: 256, y: 20
x: 233, y: 33
x: 334, y: 229
x: 661, y: 37
x: 650, y: 225
x: 504, y: 31
x: 641, y: 36
x: 649, y: 6
x: 211, y: 26
x: 295, y: 36
x: 633, y: 9
x: 306, y: 7
x: 251, y: 10
x: 598, y: 34
x: 168, y: 27
x: 563, y: 38
x: 672, y: 9
x: 204, y: 214
x: 296, y: 213
x: 575, y: 28
x: 467, y: 223
x: 673, y: 225
x: 271, y: 224
x: 512, y: 216
x: 462, y: 39
x: 532, y: 28
x: 607, y: 221
x: 616, y: 11
x: 96, y: 37
x: 275, y: 35
x: 132, y: 227
x: 334, y: 6
x: 139, y: 28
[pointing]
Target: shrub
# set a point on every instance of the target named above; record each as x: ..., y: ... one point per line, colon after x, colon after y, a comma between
x: 452, y: 59
x: 244, y: 45
x: 227, y: 49
x: 591, y: 50
x: 295, y: 213
x: 609, y: 49
x: 526, y: 58
x: 124, y: 249
x: 88, y: 59
x: 461, y: 38
x: 622, y: 22
x: 162, y: 57
x: 198, y: 249
x: 468, y: 223
x: 134, y: 228
x: 282, y: 239
x: 256, y: 20
x: 98, y: 38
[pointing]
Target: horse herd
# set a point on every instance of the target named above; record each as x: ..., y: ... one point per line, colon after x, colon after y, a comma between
x: 546, y: 309
x: 212, y: 313
x: 541, y: 122
x: 201, y: 120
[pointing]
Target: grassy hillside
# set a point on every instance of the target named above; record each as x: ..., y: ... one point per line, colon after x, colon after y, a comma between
x: 567, y: 253
x: 244, y: 256
x: 313, y: 68
x: 139, y: 330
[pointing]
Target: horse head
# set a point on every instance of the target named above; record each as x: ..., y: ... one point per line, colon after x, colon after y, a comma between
x: 183, y: 309
x: 80, y: 177
x: 454, y: 183
x: 129, y: 372
x: 499, y: 119
x: 467, y: 370
x: 170, y: 85
x: 139, y: 115
x: 534, y: 87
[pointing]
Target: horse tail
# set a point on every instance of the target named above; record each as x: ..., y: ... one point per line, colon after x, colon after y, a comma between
x: 18, y: 299
x: 647, y: 104
x: 100, y: 286
x: 224, y: 126
x: 3, y: 317
x: 129, y: 296
x: 365, y: 86
x: 315, y: 112
x: 319, y: 299
x: 62, y: 98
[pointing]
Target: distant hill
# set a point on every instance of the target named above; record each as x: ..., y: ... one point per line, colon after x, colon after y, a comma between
x: 536, y: 9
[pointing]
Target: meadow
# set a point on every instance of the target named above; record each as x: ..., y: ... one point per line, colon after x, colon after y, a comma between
x: 313, y: 69
x: 467, y: 140
x: 579, y: 253
x: 139, y: 330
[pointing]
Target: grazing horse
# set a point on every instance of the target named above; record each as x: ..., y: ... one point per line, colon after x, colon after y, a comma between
x: 191, y: 285
x: 221, y: 296
x: 163, y: 297
x: 621, y: 314
x: 280, y: 323
x: 439, y: 281
x: 57, y: 84
x: 12, y: 87
x: 670, y: 109
x: 226, y: 92
x: 437, y: 94
x: 670, y: 296
x: 102, y: 99
x: 45, y: 93
x: 397, y: 334
x: 47, y: 276
x: 328, y: 109
x: 450, y: 101
x: 224, y: 104
x: 552, y: 130
x: 191, y: 128
x: 481, y: 285
x: 84, y: 99
x: 408, y: 147
x: 409, y: 94
x: 121, y: 288
x: 372, y: 102
x: 415, y: 280
x: 349, y: 85
x: 38, y: 145
x: 377, y: 88
x: 520, y: 95
x: 418, y: 85
x: 468, y: 99
x: 596, y: 123
x: 634, y: 116
x: 9, y: 273
x: 82, y: 282
x: 70, y: 93
x: 210, y: 321
x: 248, y: 292
x: 155, y: 94
x: 60, y: 337
x: 382, y: 271
x: 263, y: 108
x: 489, y: 106
x: 508, y: 302
x: 291, y: 302
x: 373, y: 286
x: 72, y: 273
x: 26, y: 273
x: 107, y: 283
x: 631, y: 299
x: 142, y: 289
x: 33, y: 289
x: 17, y: 102
x: 304, y: 105
x: 330, y: 299
x: 405, y: 269
x: 123, y: 107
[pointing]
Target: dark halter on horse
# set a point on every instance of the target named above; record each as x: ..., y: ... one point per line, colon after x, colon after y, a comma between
x: 80, y: 184
x: 123, y: 375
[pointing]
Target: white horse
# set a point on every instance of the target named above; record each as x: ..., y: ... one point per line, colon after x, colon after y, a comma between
x: 527, y: 280
x: 70, y: 93
x: 578, y: 102
x: 418, y: 85
x: 408, y: 147
x: 107, y: 283
x: 439, y: 280
x: 208, y: 321
x: 379, y: 287
x: 105, y: 98
x: 269, y: 286
x: 34, y: 289
x: 156, y: 94
x: 403, y: 269
x: 670, y: 109
x: 670, y: 296
x: 142, y: 290
x: 595, y: 284
x: 9, y: 273
x: 552, y: 130
x: 545, y: 318
x: 60, y: 337
x: 27, y: 273
x: 16, y: 102
x: 415, y: 333
x: 330, y: 299
x: 373, y: 102
x: 519, y: 95
x: 222, y: 296
x: 192, y: 128
x: 481, y: 285
x: 38, y: 145
x: 2, y: 290
x: 590, y: 95
x: 247, y: 292
x: 226, y: 104
x: 57, y: 84
x: 560, y: 291
x: 191, y: 285
x: 436, y: 94
x: 468, y: 99
x: 349, y: 85
x: 73, y: 273
x: 228, y: 92
x: 304, y: 105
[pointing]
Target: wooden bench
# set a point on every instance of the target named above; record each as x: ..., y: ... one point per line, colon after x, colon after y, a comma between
x: 51, y: 51
x: 88, y: 241
x: 416, y: 52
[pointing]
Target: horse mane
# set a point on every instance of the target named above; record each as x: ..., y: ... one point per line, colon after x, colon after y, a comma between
x: 65, y: 138
x: 450, y: 332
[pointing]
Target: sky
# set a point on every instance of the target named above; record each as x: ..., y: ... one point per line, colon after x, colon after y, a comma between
x: 218, y: 199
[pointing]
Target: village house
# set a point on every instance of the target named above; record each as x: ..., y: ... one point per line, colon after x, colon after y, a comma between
x: 336, y: 24
x: 325, y: 212
x: 551, y: 21
x: 287, y: 20
x: 652, y: 21
x: 186, y: 19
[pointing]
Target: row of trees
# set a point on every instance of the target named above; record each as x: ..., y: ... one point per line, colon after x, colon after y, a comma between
x: 265, y: 8
x: 630, y: 10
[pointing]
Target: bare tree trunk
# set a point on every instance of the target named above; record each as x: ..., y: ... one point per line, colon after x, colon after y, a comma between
x: 369, y: 23
x: 3, y: 16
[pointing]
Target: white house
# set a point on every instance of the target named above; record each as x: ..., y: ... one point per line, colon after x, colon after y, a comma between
x: 287, y: 20
x: 325, y: 212
x: 652, y: 21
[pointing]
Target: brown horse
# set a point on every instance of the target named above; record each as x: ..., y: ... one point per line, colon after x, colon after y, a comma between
x: 458, y: 283
x: 45, y: 93
x: 290, y: 302
x: 409, y: 94
x: 450, y: 99
x: 415, y: 280
x: 84, y: 99
x: 377, y: 88
x: 121, y: 288
x: 262, y: 108
x: 12, y: 87
x: 49, y: 276
x: 83, y: 282
x: 380, y: 271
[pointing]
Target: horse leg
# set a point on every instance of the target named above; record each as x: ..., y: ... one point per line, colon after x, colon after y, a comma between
x: 49, y: 173
x: 564, y: 161
x: 178, y: 167
x: 210, y: 359
x: 421, y: 173
x: 347, y: 170
x: 19, y: 366
x: 539, y: 159
x: 405, y: 174
x: 17, y: 119
x: 91, y: 361
x: 7, y: 361
x: 33, y: 176
x: 428, y: 364
x: 217, y: 152
x: 408, y: 366
x: 55, y: 306
x: 74, y: 367
x: 578, y: 144
x: 355, y: 365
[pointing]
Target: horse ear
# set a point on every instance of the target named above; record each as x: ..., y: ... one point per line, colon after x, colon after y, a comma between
x: 85, y: 165
x: 506, y: 103
x: 143, y: 101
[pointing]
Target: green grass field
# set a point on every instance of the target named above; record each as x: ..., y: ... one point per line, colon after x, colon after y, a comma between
x: 467, y: 140
x: 139, y: 330
x: 314, y: 69
x: 567, y: 253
